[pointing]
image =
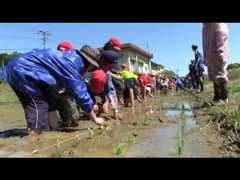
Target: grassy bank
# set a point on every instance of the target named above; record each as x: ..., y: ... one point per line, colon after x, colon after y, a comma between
x: 224, y: 118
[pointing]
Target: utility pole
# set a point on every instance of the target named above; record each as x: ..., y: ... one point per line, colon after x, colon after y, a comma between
x: 147, y: 46
x: 44, y: 37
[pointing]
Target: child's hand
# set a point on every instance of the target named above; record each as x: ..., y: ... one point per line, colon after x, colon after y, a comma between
x: 99, y: 121
x: 95, y: 108
x: 118, y: 116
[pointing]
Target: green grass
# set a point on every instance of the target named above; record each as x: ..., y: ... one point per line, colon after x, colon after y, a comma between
x: 131, y: 140
x: 234, y: 88
x: 234, y: 74
x: 146, y: 121
x: 58, y: 154
x: 118, y: 150
x: 7, y: 94
x: 181, y: 132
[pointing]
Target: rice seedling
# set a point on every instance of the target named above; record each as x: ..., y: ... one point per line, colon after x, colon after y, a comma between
x: 181, y: 132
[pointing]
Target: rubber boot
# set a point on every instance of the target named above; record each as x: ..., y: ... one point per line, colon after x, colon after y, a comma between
x: 216, y: 89
x: 224, y: 92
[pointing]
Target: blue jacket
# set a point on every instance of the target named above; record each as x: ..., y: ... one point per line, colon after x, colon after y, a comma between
x: 49, y: 68
x: 179, y: 82
x: 199, y: 57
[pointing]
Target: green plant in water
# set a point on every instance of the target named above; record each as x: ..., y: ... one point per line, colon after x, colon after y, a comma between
x: 180, y: 143
x: 146, y: 122
x: 131, y: 140
x: 57, y: 154
x: 181, y: 132
x: 75, y: 143
x: 119, y: 149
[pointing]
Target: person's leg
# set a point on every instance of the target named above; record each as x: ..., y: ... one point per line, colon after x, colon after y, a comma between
x: 126, y: 96
x: 216, y: 88
x: 131, y: 97
x: 105, y: 107
x: 36, y: 112
x: 155, y: 91
x: 224, y: 92
x: 201, y: 83
x: 193, y: 82
x: 53, y: 120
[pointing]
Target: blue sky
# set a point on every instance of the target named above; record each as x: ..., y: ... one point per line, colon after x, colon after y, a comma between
x: 170, y: 43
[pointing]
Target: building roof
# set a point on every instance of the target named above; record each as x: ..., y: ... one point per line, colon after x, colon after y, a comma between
x: 156, y: 64
x: 136, y: 48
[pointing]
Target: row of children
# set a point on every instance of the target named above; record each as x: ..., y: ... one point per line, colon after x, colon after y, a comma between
x: 66, y: 79
x: 51, y: 82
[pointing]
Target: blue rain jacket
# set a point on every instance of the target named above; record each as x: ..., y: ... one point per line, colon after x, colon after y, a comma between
x: 50, y: 68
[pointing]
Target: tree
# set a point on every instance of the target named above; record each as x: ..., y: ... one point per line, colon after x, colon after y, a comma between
x: 5, y: 58
x: 169, y: 73
x: 233, y: 66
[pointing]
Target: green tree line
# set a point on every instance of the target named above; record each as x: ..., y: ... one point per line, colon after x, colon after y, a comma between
x: 6, y: 57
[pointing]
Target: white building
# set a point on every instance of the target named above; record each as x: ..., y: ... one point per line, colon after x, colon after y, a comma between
x: 138, y: 59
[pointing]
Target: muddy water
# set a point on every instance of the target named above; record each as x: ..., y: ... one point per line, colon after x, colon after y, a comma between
x: 162, y: 141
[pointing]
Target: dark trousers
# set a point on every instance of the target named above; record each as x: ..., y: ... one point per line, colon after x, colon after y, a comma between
x: 35, y: 109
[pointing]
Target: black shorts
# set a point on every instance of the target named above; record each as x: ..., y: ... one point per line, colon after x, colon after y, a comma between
x: 130, y: 83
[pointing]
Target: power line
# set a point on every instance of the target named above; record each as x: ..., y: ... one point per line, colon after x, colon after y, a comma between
x: 44, y: 38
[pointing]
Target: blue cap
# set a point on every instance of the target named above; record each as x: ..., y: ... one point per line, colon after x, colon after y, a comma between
x: 111, y: 56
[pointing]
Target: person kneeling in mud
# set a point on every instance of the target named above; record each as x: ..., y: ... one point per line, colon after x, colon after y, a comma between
x: 98, y: 86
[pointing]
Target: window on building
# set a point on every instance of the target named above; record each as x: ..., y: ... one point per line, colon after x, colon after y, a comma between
x: 133, y: 65
x: 140, y: 67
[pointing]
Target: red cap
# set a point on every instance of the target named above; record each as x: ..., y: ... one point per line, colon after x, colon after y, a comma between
x: 98, y: 81
x: 116, y: 43
x: 65, y: 46
x: 124, y: 66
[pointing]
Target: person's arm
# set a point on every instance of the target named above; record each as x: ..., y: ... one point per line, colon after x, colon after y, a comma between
x: 116, y: 76
x: 135, y: 76
x: 78, y: 90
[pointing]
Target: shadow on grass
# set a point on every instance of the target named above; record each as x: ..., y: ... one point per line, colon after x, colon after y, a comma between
x: 14, y: 133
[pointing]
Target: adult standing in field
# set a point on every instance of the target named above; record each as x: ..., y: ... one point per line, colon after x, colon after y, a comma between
x: 216, y: 55
x: 34, y: 74
x: 199, y: 67
x: 192, y: 74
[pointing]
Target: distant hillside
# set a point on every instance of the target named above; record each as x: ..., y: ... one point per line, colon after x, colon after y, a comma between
x: 233, y: 66
x: 234, y: 71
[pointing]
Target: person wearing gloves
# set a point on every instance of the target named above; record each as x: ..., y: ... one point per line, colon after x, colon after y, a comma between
x: 216, y: 56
